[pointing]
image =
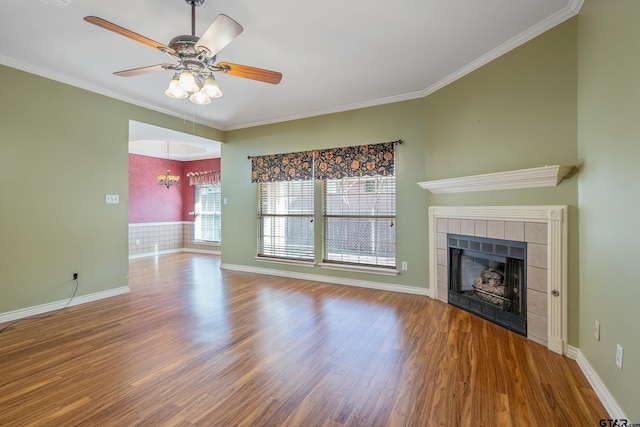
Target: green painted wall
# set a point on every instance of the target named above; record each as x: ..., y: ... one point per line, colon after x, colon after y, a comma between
x: 62, y: 149
x: 498, y: 118
x: 378, y: 124
x: 517, y: 112
x: 609, y: 149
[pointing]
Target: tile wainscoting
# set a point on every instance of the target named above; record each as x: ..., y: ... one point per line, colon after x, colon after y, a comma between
x: 148, y: 239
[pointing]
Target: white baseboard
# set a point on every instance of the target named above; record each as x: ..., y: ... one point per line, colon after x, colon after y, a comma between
x: 57, y: 305
x: 431, y: 293
x: 572, y: 352
x: 202, y: 251
x: 154, y: 253
x: 327, y: 279
x: 175, y: 251
x: 607, y: 400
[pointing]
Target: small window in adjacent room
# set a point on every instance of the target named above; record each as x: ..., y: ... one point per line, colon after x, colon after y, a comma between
x: 207, y: 227
x: 359, y: 221
x: 285, y: 220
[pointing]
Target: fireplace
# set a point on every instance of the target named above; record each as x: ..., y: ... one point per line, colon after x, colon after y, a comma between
x: 487, y: 277
x: 544, y: 231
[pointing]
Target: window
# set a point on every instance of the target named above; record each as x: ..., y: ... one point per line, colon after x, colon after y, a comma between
x: 208, y: 213
x: 359, y: 215
x: 359, y: 206
x: 285, y: 220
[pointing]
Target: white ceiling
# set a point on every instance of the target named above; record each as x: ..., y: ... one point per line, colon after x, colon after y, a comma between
x: 149, y: 140
x: 334, y: 55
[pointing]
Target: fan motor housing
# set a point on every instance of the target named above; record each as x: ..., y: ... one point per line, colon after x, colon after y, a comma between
x: 185, y: 46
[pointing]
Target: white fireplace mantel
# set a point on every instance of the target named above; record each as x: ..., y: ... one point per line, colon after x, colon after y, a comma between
x: 546, y: 176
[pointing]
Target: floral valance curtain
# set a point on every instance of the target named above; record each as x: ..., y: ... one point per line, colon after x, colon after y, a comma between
x: 360, y: 160
x: 282, y: 167
x: 331, y: 163
x: 204, y: 178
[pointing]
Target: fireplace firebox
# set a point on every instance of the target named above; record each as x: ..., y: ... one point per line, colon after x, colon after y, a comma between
x: 487, y: 277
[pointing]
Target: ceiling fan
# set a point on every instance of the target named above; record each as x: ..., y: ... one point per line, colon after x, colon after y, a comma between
x: 195, y: 56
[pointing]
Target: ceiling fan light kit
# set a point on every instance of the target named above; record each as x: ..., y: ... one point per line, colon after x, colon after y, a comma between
x: 196, y: 58
x: 188, y: 82
x: 175, y: 90
x: 200, y: 98
x: 211, y: 88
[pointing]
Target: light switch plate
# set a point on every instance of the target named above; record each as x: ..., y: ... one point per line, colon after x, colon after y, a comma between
x: 112, y: 199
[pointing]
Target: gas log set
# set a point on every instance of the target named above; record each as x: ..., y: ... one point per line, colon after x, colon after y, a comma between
x: 487, y: 277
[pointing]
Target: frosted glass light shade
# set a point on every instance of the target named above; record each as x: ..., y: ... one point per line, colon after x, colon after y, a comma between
x: 211, y: 89
x: 200, y: 98
x: 188, y: 82
x: 175, y: 91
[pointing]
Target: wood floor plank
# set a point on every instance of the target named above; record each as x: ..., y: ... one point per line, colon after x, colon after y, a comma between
x: 196, y: 345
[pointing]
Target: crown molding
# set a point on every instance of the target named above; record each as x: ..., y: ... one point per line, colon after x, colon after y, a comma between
x: 569, y: 11
x: 81, y: 84
x: 559, y: 17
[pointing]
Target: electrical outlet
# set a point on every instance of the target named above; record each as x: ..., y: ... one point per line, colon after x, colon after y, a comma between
x: 596, y: 331
x: 75, y: 276
x: 405, y: 265
x: 619, y: 351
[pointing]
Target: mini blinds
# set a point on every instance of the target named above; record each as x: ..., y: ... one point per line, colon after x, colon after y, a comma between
x: 208, y: 213
x: 285, y: 220
x: 359, y: 219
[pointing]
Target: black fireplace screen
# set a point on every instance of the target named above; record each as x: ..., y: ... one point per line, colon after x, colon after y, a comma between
x: 488, y: 277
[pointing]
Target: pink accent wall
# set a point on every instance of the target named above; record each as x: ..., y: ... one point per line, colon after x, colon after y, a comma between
x: 150, y: 202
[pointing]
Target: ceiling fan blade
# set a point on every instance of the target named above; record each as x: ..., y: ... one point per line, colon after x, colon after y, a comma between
x: 252, y: 73
x: 130, y: 34
x: 219, y: 34
x: 142, y: 70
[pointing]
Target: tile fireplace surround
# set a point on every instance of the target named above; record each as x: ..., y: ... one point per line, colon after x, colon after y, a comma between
x: 543, y: 228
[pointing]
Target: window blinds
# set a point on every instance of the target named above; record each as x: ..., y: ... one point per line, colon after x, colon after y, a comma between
x: 285, y: 220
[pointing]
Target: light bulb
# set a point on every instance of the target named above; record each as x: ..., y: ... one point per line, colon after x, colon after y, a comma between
x: 200, y: 98
x: 188, y: 82
x: 211, y: 89
x: 174, y: 90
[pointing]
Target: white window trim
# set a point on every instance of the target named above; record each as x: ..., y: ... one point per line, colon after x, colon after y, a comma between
x: 198, y: 214
x: 206, y: 242
x: 359, y: 269
x: 285, y: 261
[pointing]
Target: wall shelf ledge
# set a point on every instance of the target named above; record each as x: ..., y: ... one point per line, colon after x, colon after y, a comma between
x: 546, y: 176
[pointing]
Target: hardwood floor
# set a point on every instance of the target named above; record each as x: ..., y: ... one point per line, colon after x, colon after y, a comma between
x: 196, y: 345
